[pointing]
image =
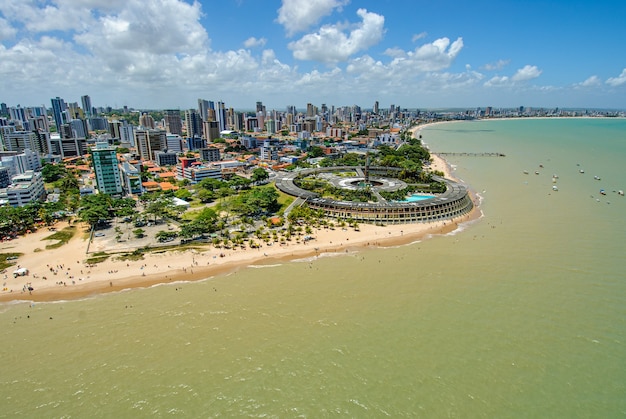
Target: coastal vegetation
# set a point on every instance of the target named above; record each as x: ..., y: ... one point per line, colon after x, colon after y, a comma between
x: 61, y: 237
x: 8, y: 259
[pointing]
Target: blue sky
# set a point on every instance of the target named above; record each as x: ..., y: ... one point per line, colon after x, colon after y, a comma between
x: 425, y: 54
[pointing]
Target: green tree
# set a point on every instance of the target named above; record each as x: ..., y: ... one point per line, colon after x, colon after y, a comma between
x: 68, y: 183
x: 160, y: 207
x: 124, y: 207
x: 205, y: 195
x: 164, y: 235
x: 95, y: 209
x: 259, y: 174
x: 183, y: 194
x: 315, y: 152
x: 52, y: 172
x: 256, y: 202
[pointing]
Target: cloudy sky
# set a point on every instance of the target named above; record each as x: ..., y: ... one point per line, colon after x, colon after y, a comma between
x: 414, y: 53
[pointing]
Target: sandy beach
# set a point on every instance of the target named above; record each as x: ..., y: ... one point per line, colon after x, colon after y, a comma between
x: 63, y: 274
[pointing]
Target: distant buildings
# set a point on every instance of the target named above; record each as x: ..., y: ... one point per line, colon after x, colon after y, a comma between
x: 211, y: 130
x: 173, y: 122
x: 149, y: 141
x: 165, y: 158
x: 68, y: 147
x: 210, y: 154
x: 58, y: 112
x: 193, y: 123
x: 196, y: 172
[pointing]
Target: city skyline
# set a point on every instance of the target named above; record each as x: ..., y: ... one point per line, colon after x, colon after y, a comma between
x: 168, y: 53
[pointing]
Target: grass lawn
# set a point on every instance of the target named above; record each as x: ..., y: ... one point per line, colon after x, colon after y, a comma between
x: 8, y: 259
x: 62, y: 237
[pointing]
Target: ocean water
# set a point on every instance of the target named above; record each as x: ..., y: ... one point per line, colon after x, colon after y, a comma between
x: 519, y: 314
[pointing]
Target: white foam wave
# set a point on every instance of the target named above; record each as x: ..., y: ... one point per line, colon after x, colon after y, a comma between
x: 265, y: 266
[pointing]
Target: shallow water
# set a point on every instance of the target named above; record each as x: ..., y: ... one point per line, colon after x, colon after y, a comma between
x: 521, y: 313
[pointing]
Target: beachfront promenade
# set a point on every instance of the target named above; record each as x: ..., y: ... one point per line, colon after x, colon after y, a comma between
x: 454, y: 202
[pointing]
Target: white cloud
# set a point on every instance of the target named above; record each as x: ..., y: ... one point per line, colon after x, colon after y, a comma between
x: 592, y: 81
x: 525, y: 73
x: 61, y: 15
x: 253, y: 42
x: 496, y: 81
x: 331, y: 45
x: 418, y: 36
x: 157, y: 27
x: 436, y: 55
x: 6, y: 30
x: 498, y: 65
x: 528, y: 72
x: 617, y: 81
x: 395, y: 52
x: 298, y: 15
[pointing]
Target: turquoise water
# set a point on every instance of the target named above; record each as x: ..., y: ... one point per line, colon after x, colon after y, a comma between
x: 520, y: 314
x: 418, y: 197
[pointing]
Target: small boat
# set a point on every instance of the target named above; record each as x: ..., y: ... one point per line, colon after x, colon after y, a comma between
x: 602, y: 192
x: 536, y: 173
x: 620, y: 192
x: 597, y: 177
x: 555, y: 188
x: 581, y: 171
x: 541, y: 165
x: 525, y: 172
x: 555, y: 176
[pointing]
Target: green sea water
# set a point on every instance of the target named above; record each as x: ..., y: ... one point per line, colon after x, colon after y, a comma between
x: 519, y: 314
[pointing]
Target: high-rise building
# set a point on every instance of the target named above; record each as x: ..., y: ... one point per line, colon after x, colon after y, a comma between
x: 106, y: 169
x: 97, y: 123
x: 193, y: 123
x: 211, y: 130
x: 86, y: 102
x: 210, y: 154
x: 310, y: 110
x: 68, y: 147
x: 115, y: 128
x: 21, y: 140
x: 17, y: 113
x: 147, y: 121
x: 126, y: 133
x: 238, y: 121
x: 203, y: 109
x: 131, y: 179
x: 27, y: 161
x: 149, y: 142
x: 5, y: 178
x: 58, y: 109
x: 78, y: 128
x: 375, y: 110
x: 173, y: 122
x: 174, y: 143
x: 39, y: 123
x: 26, y: 187
x: 221, y: 115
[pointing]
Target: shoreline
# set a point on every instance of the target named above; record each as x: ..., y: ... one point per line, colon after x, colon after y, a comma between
x: 55, y: 277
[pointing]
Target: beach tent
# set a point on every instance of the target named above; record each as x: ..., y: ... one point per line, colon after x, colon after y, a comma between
x: 20, y: 272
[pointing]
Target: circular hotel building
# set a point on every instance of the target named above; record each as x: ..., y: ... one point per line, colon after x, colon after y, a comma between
x: 454, y: 202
